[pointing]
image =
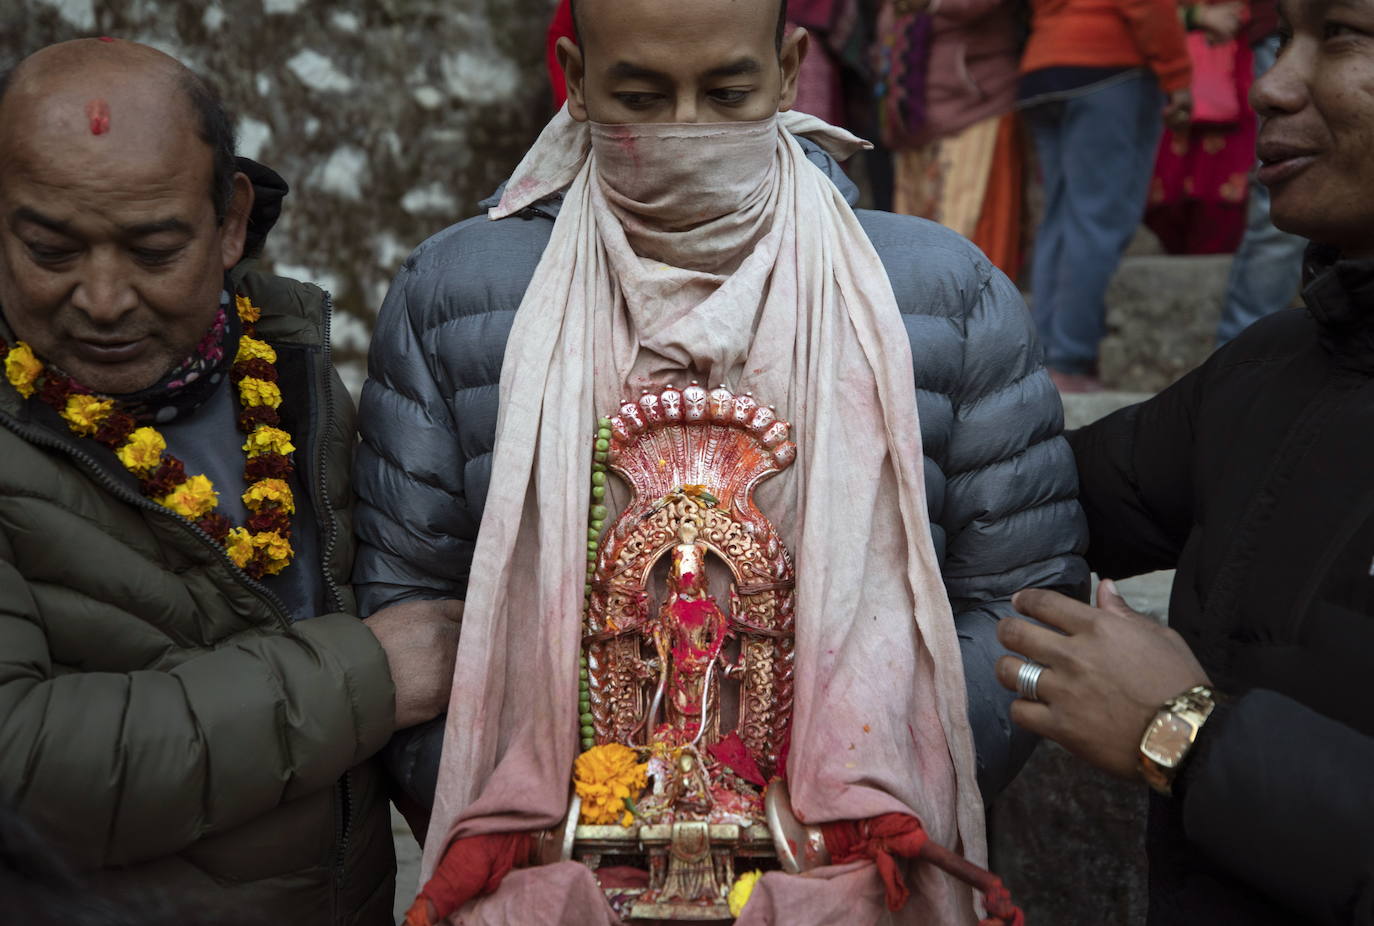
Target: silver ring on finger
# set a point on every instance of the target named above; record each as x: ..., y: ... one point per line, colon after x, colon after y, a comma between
x: 1028, y: 679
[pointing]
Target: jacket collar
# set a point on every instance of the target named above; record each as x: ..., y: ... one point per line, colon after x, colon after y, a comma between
x: 1340, y: 295
x: 550, y: 207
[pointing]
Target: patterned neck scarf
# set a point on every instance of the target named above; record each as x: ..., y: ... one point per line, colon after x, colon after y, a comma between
x: 191, y: 383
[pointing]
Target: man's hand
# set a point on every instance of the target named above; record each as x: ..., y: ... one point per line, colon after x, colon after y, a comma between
x: 1220, y: 21
x: 421, y: 641
x: 1178, y: 112
x: 1105, y: 676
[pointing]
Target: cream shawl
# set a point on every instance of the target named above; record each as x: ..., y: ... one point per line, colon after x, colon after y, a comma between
x: 721, y: 253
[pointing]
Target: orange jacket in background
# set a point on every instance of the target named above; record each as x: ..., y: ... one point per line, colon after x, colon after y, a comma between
x: 1109, y: 33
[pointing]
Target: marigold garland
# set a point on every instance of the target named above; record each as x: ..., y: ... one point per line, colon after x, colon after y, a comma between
x: 262, y: 546
x: 605, y: 777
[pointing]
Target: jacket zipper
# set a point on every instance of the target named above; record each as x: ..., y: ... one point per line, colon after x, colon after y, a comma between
x: 326, y: 386
x: 92, y: 465
x: 326, y: 508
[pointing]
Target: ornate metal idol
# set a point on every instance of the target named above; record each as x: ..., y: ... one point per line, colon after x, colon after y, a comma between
x: 700, y: 687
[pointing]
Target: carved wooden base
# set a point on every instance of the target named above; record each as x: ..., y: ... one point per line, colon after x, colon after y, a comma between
x: 691, y: 864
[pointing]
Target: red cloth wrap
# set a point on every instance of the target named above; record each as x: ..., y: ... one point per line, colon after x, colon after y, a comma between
x: 471, y: 867
x: 898, y: 834
x: 878, y: 838
x: 561, y: 26
x: 731, y: 753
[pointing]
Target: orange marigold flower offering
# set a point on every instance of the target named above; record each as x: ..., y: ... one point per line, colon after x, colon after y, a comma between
x: 605, y: 777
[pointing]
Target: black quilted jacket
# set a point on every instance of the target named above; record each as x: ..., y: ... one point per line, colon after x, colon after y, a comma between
x: 1251, y: 476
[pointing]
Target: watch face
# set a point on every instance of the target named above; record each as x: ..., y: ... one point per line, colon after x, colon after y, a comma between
x: 1168, y: 739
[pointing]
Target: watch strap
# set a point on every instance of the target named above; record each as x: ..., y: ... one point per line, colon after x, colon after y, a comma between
x: 1194, y: 706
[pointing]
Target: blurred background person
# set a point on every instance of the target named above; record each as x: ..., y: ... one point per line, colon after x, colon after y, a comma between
x: 1197, y: 198
x: 947, y: 77
x: 1095, y: 76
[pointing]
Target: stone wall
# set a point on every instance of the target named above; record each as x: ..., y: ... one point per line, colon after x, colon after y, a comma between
x: 389, y: 118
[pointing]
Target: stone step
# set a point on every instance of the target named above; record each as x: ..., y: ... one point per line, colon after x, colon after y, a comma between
x: 1162, y: 314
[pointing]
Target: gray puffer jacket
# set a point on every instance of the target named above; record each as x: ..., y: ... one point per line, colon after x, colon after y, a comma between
x: 1000, y: 479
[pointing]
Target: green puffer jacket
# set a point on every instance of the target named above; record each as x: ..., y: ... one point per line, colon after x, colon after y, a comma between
x: 160, y: 715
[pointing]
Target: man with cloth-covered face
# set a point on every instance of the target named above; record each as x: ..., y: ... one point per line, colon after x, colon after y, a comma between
x: 677, y: 222
x: 188, y: 707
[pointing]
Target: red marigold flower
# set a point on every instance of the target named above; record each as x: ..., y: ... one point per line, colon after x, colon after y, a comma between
x: 267, y: 466
x: 257, y: 368
x: 165, y: 478
x: 115, y: 429
x: 255, y: 415
x: 55, y: 389
x: 216, y: 525
x: 268, y: 520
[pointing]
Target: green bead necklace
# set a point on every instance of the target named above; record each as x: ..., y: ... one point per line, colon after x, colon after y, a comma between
x: 596, y: 523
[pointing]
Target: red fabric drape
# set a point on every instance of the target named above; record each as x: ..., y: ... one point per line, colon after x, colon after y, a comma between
x: 470, y: 868
x: 561, y: 26
x: 901, y: 835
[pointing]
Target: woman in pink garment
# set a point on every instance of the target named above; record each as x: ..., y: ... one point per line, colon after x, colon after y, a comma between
x: 959, y: 153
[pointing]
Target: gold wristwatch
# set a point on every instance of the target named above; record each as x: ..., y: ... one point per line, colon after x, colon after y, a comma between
x: 1170, y: 736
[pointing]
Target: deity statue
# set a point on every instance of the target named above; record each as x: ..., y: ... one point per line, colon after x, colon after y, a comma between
x: 656, y: 675
x: 690, y: 634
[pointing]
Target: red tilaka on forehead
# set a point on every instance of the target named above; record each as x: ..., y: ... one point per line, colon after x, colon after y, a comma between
x: 98, y: 112
x: 106, y: 38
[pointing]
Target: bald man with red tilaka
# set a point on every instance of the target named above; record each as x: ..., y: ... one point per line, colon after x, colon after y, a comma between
x: 188, y: 705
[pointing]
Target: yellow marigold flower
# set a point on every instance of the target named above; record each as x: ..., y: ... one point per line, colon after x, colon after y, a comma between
x: 267, y: 439
x: 193, y: 499
x: 604, y: 777
x: 142, y: 451
x: 277, y: 549
x: 741, y: 890
x: 254, y: 391
x: 22, y: 368
x: 253, y: 349
x: 239, y: 546
x: 269, y: 490
x: 84, y: 413
x: 247, y: 311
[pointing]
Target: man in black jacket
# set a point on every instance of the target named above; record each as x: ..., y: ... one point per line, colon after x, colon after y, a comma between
x: 1254, y: 717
